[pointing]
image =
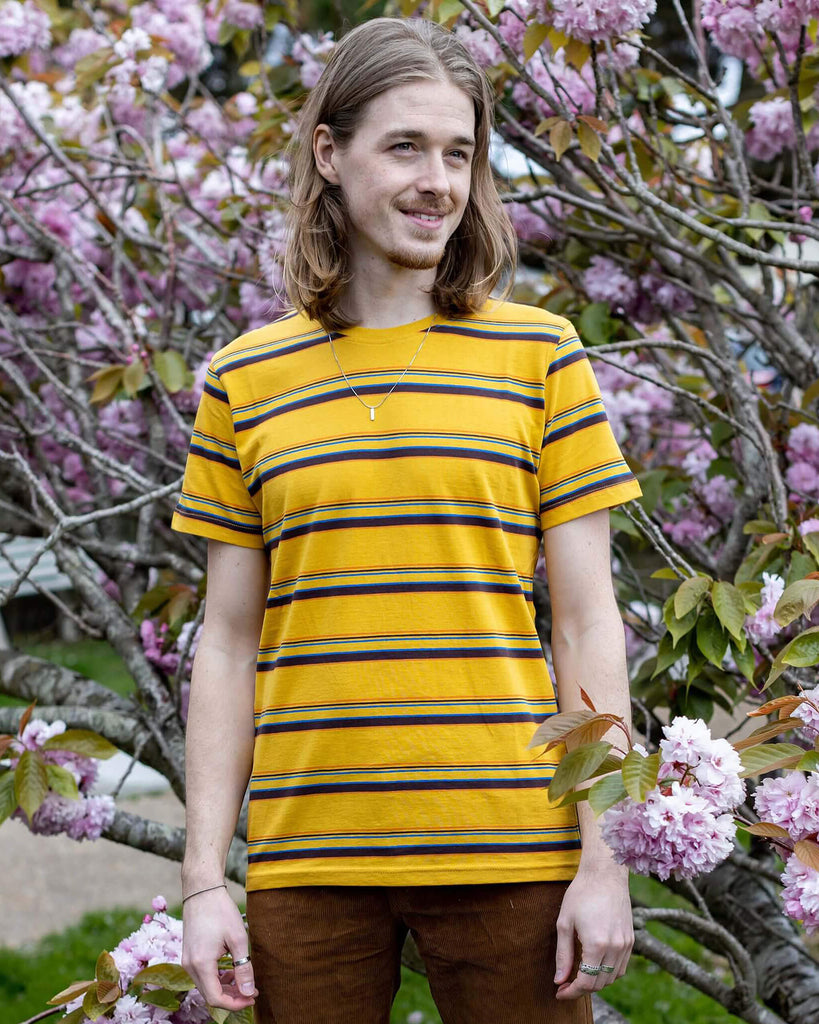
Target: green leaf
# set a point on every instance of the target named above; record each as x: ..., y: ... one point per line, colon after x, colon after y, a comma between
x: 575, y: 797
x: 8, y: 801
x: 576, y: 53
x: 589, y: 141
x: 76, y: 988
x: 729, y: 605
x: 712, y: 639
x: 133, y: 377
x: 678, y: 627
x: 803, y: 650
x: 606, y: 793
x: 30, y: 782
x: 62, y: 782
x: 170, y: 976
x: 534, y: 38
x: 75, y: 1017
x: 768, y: 757
x: 240, y: 1016
x: 82, y: 741
x: 799, y: 598
x: 106, y: 969
x: 640, y: 774
x: 652, y: 487
x: 576, y: 767
x: 107, y: 383
x: 159, y: 997
x: 560, y: 138
x: 755, y: 561
x: 595, y: 325
x: 171, y: 369
x: 218, y: 1014
x: 664, y: 574
x: 92, y: 1007
x: 668, y: 653
x: 810, y: 762
x: 811, y: 542
x: 801, y: 566
x: 689, y: 594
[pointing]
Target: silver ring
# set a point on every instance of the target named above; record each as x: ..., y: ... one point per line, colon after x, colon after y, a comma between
x: 241, y: 961
x: 606, y: 969
x: 589, y: 969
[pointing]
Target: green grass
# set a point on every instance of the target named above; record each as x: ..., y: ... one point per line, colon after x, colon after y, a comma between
x: 93, y: 659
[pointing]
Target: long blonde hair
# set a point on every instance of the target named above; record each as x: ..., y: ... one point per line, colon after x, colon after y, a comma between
x: 372, y: 58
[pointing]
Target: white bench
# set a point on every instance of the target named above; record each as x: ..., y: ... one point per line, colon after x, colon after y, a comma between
x: 45, y: 574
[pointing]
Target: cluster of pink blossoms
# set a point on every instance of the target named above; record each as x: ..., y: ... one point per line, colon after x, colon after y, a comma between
x: 742, y: 28
x: 803, y: 452
x: 23, y: 27
x: 683, y: 828
x: 589, y: 20
x: 158, y: 940
x: 762, y: 626
x: 84, y: 818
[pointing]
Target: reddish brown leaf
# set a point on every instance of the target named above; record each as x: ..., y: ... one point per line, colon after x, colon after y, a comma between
x: 76, y: 988
x: 767, y: 830
x: 808, y: 852
x: 767, y: 731
x: 26, y: 716
x: 587, y: 699
x: 5, y: 743
x: 773, y: 705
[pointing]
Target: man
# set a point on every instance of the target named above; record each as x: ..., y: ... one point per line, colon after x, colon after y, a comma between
x: 374, y: 472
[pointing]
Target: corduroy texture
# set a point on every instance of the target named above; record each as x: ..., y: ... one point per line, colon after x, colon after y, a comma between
x: 400, y: 677
x: 331, y: 955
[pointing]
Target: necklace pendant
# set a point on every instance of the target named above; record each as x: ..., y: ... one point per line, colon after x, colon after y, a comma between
x: 372, y: 412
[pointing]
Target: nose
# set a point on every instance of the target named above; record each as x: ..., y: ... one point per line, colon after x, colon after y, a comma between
x: 434, y: 177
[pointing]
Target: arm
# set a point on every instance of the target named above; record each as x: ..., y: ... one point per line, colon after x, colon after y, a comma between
x: 219, y: 755
x: 588, y: 650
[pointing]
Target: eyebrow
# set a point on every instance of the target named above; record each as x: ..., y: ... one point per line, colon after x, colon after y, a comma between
x: 415, y: 133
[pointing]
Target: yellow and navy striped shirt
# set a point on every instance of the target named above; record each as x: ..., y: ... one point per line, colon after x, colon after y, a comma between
x: 400, y: 677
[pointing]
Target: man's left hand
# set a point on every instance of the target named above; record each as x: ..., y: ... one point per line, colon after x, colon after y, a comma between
x: 596, y: 910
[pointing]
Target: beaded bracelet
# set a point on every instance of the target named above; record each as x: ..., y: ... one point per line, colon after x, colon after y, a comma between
x: 210, y: 888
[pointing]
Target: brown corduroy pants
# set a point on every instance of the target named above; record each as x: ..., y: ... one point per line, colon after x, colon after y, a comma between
x: 331, y: 954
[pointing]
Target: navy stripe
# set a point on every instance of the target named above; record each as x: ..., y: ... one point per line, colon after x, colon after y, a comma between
x: 430, y: 520
x: 206, y: 453
x: 379, y: 389
x: 392, y: 588
x: 415, y: 851
x: 572, y: 357
x: 283, y: 661
x: 307, y: 725
x: 414, y: 451
x: 220, y: 396
x: 493, y: 335
x: 228, y: 524
x: 394, y: 787
x: 261, y: 357
x: 599, y: 486
x: 572, y: 428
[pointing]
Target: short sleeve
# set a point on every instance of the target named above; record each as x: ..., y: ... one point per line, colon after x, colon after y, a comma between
x: 215, y: 502
x: 581, y: 466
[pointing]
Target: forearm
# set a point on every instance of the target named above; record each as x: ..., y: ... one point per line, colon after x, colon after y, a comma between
x: 219, y: 757
x: 592, y: 655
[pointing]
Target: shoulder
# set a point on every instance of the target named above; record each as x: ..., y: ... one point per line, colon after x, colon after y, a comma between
x: 519, y: 320
x: 289, y: 331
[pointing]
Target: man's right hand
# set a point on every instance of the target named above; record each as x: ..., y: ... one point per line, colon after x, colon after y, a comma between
x: 212, y: 927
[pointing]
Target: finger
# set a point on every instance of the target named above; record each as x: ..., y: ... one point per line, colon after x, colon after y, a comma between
x: 581, y: 983
x: 243, y: 972
x: 564, y: 955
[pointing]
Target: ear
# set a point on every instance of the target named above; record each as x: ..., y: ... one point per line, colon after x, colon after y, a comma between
x: 324, y: 152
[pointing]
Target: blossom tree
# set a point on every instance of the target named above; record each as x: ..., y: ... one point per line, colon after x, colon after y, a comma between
x: 143, y: 191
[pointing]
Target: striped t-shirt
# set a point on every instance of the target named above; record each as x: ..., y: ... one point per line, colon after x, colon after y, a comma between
x: 400, y: 677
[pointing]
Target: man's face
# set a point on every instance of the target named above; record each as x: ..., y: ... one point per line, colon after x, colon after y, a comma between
x: 405, y: 173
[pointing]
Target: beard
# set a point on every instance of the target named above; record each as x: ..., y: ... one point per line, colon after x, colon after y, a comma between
x: 411, y: 259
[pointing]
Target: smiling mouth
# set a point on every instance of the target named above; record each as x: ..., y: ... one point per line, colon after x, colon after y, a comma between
x: 426, y: 220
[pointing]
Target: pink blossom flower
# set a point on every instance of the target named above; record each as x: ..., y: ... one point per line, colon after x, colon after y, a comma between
x: 243, y: 15
x: 23, y: 27
x: 84, y: 818
x: 761, y: 626
x: 310, y: 53
x: 791, y: 801
x: 675, y: 833
x: 808, y: 526
x: 803, y: 444
x: 81, y: 43
x: 808, y: 710
x: 686, y: 739
x: 718, y: 495
x: 606, y: 281
x: 600, y: 19
x: 481, y: 46
x: 802, y: 477
x: 773, y: 130
x: 800, y: 894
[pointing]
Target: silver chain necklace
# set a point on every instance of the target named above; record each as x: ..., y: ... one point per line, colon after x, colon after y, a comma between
x: 367, y: 405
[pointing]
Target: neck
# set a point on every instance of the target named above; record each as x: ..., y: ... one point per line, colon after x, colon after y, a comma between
x: 386, y: 296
